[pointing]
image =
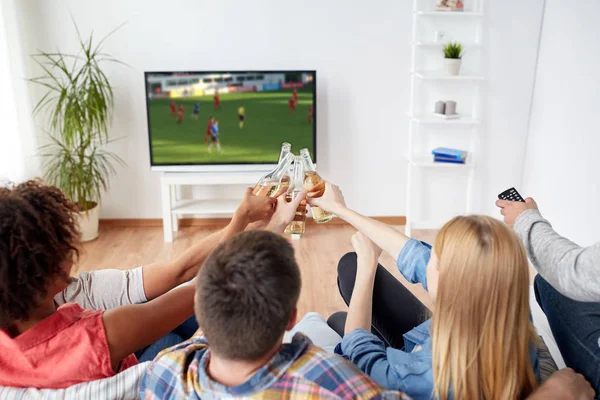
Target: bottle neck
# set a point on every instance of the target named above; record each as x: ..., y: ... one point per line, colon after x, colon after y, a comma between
x: 307, y: 163
x: 298, y: 178
x: 284, y: 152
x: 282, y: 168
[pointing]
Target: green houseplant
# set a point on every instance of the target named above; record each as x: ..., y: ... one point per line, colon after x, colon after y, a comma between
x: 453, y: 57
x: 77, y: 111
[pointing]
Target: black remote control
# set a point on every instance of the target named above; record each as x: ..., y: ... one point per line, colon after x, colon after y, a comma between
x: 511, y: 195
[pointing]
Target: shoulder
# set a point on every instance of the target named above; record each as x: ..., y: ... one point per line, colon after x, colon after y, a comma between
x: 168, y: 373
x: 332, y: 373
x: 74, y: 312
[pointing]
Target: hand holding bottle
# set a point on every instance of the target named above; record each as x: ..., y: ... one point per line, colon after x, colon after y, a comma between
x: 255, y: 208
x: 284, y: 212
x: 331, y: 200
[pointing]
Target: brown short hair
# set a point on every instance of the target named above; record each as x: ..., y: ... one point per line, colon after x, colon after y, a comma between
x: 246, y: 293
x: 38, y: 233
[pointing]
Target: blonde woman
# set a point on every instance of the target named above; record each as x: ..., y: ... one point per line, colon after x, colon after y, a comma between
x: 479, y: 344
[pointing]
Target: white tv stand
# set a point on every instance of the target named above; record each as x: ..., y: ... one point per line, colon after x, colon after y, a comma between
x: 173, y: 207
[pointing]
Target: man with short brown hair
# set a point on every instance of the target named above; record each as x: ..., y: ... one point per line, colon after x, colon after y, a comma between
x: 245, y: 301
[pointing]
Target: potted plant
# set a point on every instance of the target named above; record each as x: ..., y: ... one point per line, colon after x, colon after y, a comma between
x: 77, y: 110
x: 453, y: 57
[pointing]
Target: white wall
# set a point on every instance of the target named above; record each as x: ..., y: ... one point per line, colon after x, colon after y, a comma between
x: 562, y: 170
x: 513, y: 32
x: 362, y: 129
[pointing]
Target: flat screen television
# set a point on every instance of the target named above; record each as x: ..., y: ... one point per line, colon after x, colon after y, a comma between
x: 228, y: 120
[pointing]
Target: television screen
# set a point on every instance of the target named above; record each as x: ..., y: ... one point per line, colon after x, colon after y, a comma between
x: 219, y: 118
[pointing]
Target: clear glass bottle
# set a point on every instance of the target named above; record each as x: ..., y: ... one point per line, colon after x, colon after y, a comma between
x: 297, y: 226
x: 311, y: 179
x: 269, y: 184
x: 286, y: 148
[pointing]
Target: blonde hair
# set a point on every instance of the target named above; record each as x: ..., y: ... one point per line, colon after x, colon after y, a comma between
x: 481, y: 331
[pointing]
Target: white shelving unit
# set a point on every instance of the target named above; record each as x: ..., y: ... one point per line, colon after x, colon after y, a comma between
x: 468, y: 25
x: 174, y: 208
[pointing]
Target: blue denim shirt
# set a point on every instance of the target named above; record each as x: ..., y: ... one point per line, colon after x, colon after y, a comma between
x: 410, y: 372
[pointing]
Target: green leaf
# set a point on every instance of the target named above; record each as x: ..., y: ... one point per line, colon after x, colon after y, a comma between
x: 452, y: 50
x: 77, y: 107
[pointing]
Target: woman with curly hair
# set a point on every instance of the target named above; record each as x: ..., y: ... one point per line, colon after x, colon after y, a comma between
x: 47, y: 343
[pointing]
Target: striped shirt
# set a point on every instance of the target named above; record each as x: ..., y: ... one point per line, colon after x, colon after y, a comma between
x: 299, y: 370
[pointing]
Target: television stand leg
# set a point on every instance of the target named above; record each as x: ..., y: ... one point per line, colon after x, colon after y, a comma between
x: 174, y: 197
x: 165, y: 189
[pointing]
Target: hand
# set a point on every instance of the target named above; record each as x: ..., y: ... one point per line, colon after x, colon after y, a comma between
x: 284, y: 212
x: 326, y: 196
x: 366, y: 251
x: 255, y: 208
x: 512, y: 209
x: 565, y: 384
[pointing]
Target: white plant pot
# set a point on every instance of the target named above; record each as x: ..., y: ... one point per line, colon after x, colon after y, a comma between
x: 452, y: 65
x: 88, y: 224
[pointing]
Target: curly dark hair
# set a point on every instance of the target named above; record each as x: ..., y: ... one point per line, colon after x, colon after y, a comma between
x: 38, y: 234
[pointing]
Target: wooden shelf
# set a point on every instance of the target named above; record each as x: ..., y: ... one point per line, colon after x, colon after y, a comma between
x: 429, y: 119
x: 450, y: 14
x: 220, y: 206
x: 438, y: 45
x: 443, y: 76
x: 429, y: 163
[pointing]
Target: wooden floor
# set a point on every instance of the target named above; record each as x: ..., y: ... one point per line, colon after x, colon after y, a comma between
x: 317, y: 253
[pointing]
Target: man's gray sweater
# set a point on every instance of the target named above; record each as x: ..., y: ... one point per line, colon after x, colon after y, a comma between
x: 571, y: 269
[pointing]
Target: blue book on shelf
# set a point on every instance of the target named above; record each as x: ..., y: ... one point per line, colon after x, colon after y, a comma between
x: 451, y: 160
x: 449, y: 153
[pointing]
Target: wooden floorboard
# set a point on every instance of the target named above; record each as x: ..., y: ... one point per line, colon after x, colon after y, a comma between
x: 317, y: 253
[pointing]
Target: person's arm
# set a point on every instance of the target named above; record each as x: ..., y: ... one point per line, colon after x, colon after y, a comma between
x: 571, y: 269
x: 332, y: 200
x: 391, y: 368
x: 161, y: 277
x: 104, y: 289
x: 133, y: 327
x: 565, y: 384
x: 411, y: 255
x: 361, y: 303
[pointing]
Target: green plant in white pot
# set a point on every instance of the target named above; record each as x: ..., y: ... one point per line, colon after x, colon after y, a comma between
x: 453, y: 57
x: 77, y: 111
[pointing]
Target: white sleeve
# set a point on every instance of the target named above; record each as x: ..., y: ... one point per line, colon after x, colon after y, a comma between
x: 105, y: 289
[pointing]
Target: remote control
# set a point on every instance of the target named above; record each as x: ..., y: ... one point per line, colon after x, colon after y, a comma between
x: 511, y: 195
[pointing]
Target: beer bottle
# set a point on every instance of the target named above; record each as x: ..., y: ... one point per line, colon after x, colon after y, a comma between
x: 269, y: 184
x: 311, y: 179
x: 285, y: 180
x: 297, y: 226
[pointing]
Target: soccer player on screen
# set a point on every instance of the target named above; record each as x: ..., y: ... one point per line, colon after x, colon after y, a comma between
x: 242, y: 115
x: 196, y: 113
x: 292, y: 105
x: 173, y: 109
x: 295, y: 94
x: 180, y: 117
x: 214, y: 138
x: 208, y: 133
x: 311, y: 114
x: 217, y: 100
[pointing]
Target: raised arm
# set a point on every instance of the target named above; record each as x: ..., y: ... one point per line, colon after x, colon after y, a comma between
x: 161, y: 277
x: 387, y: 238
x: 361, y: 303
x: 130, y: 328
x: 571, y: 269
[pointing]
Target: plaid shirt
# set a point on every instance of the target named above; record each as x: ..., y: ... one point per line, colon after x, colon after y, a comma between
x: 298, y: 371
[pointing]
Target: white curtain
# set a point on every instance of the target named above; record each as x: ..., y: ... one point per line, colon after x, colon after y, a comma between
x: 17, y: 132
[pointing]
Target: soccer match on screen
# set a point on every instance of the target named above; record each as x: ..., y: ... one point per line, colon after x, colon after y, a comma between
x: 228, y: 117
